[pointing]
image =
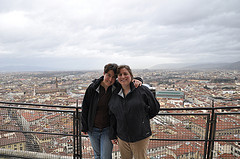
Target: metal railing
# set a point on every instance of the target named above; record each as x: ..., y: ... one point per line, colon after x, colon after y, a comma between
x: 50, y: 131
x: 46, y: 130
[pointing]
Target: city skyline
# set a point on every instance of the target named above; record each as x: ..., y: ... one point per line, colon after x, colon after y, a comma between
x: 85, y: 35
x: 44, y: 104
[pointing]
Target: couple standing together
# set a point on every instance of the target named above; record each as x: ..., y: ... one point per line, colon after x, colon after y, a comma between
x: 118, y: 112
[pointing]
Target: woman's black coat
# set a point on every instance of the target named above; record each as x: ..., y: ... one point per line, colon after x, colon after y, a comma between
x: 130, y: 115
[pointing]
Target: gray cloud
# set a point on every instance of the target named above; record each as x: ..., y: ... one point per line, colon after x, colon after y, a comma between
x: 135, y: 32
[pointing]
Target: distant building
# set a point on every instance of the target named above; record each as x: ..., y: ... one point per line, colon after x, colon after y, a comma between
x: 53, y: 90
x: 12, y: 141
x: 170, y: 94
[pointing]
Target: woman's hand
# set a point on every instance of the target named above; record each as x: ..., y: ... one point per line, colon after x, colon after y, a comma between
x: 136, y: 83
x: 115, y: 141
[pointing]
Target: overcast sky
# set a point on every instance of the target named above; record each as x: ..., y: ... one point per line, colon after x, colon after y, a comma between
x: 87, y: 34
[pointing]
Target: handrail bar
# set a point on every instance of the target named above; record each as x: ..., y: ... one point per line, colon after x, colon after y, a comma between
x: 201, y: 108
x: 43, y: 105
x: 229, y: 113
x: 36, y: 132
x: 161, y: 109
x: 200, y: 114
x: 38, y: 109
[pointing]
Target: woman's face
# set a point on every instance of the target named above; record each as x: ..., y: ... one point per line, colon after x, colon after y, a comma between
x: 124, y: 77
x: 109, y: 78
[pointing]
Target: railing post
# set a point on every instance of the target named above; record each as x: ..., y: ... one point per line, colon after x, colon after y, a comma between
x: 206, y: 137
x: 74, y: 135
x: 78, y: 130
x: 212, y: 133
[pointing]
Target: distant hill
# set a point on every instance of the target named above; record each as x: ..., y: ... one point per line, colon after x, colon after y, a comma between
x: 181, y: 66
x: 24, y: 69
x: 233, y: 66
x: 170, y: 66
x: 225, y: 66
x: 207, y: 66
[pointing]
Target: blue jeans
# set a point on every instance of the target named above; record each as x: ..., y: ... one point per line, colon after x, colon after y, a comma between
x: 101, y: 143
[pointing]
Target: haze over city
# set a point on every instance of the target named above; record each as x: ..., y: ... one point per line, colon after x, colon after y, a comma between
x: 87, y: 34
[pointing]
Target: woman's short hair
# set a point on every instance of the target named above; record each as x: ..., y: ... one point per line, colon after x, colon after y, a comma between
x: 127, y: 68
x: 111, y: 66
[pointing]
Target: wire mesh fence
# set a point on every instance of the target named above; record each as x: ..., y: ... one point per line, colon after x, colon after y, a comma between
x: 179, y: 135
x: 227, y: 136
x: 47, y: 133
x: 54, y: 132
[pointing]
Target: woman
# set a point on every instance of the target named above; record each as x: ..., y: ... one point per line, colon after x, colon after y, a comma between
x: 130, y: 109
x: 95, y: 111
